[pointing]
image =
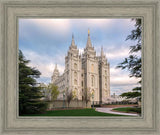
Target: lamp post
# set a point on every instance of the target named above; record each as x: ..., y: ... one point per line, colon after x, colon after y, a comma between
x: 93, y: 100
x: 63, y: 99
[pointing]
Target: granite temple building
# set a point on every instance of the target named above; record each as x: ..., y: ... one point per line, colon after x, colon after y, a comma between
x: 84, y: 74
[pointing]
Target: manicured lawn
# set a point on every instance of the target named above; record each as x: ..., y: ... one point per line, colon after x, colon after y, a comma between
x: 77, y: 112
x: 128, y: 109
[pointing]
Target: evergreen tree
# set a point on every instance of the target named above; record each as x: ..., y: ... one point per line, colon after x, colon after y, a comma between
x: 29, y: 92
x: 133, y: 62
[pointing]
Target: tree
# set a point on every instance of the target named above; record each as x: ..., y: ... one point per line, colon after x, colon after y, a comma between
x: 29, y: 92
x: 53, y: 91
x: 69, y: 97
x: 133, y: 62
x: 74, y: 95
x: 87, y: 96
x: 131, y: 94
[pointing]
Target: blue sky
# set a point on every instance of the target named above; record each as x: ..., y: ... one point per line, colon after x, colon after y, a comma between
x: 46, y: 41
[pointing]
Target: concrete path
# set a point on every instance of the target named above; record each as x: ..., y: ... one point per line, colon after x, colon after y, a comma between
x: 109, y: 110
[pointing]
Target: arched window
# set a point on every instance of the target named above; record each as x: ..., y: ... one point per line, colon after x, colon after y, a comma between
x: 92, y: 80
x: 75, y: 81
x: 92, y: 68
x: 105, y: 85
x: 105, y: 79
x: 106, y: 93
x: 75, y: 65
x: 105, y: 72
x: 75, y: 74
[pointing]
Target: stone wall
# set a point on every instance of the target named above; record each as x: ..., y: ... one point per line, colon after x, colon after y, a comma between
x: 73, y: 103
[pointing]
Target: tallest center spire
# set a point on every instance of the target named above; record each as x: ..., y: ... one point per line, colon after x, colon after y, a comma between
x: 88, y: 32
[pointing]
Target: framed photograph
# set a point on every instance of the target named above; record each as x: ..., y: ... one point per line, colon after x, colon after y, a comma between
x: 79, y: 67
x: 82, y: 74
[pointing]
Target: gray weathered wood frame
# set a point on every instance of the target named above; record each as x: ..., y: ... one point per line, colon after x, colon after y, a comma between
x: 11, y: 11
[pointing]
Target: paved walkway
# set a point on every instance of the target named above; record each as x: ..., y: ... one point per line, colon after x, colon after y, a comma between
x: 109, y: 110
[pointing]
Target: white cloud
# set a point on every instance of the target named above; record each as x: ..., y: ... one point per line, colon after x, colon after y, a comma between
x: 122, y: 89
x: 117, y: 53
x: 114, y: 71
x: 119, y: 77
x: 81, y: 50
x: 99, y: 22
x: 123, y: 80
x: 59, y: 26
x: 43, y: 63
x: 112, y: 52
x: 120, y: 81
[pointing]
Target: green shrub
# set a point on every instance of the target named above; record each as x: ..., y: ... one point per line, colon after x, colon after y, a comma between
x: 137, y: 110
x: 96, y: 105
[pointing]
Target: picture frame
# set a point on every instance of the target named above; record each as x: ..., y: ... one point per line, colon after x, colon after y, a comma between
x: 11, y: 11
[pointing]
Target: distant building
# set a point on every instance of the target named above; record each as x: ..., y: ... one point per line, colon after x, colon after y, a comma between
x: 117, y: 98
x: 84, y: 72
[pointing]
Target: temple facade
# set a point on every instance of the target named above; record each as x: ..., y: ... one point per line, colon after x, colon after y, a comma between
x: 86, y: 76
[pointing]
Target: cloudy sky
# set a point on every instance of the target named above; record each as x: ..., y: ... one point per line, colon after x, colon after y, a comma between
x: 46, y: 41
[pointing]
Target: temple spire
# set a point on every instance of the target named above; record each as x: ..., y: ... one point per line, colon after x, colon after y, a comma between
x: 56, y: 70
x: 73, y: 42
x: 102, y: 53
x: 56, y: 66
x: 89, y: 44
x: 55, y: 74
x: 88, y: 32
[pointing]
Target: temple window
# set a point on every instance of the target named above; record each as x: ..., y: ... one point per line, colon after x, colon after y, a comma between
x: 92, y: 80
x: 92, y: 68
x: 105, y: 85
x: 75, y: 81
x: 105, y: 72
x: 75, y: 74
x: 75, y: 66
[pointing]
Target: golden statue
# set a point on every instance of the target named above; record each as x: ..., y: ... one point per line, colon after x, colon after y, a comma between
x: 88, y: 31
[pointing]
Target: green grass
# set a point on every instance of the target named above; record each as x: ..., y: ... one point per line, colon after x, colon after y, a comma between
x: 128, y: 109
x: 77, y: 112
